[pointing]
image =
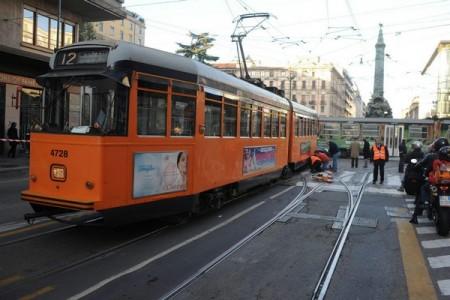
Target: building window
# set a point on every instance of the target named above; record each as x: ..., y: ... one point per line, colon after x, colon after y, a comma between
x: 45, y: 31
x: 304, y: 84
x: 322, y: 108
x: 100, y: 26
x: 294, y: 97
x: 323, y: 84
x: 282, y: 85
x: 270, y: 73
x: 304, y: 99
x: 271, y: 83
x: 28, y: 26
x: 112, y: 29
x: 313, y: 84
x: 42, y: 32
x: 294, y: 84
x: 121, y: 35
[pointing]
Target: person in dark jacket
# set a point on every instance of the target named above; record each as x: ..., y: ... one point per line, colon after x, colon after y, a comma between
x: 12, y: 135
x: 366, y: 152
x: 379, y: 155
x: 334, y: 153
x: 426, y: 164
x: 403, y: 150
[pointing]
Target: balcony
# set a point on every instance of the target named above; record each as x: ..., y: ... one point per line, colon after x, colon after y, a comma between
x: 94, y: 10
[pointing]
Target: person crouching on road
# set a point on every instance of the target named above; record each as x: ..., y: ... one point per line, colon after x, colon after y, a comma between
x: 379, y: 155
x: 316, y: 164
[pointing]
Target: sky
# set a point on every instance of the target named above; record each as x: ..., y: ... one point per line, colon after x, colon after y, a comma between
x: 343, y: 32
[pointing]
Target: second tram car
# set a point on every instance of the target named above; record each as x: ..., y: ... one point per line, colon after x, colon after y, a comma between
x: 127, y: 127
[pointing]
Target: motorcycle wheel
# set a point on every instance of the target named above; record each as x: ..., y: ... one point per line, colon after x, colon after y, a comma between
x: 443, y: 221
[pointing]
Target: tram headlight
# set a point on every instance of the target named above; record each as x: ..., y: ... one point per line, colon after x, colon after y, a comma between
x: 58, y: 172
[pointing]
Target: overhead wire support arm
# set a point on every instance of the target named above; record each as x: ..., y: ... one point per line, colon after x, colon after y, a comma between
x: 240, y: 32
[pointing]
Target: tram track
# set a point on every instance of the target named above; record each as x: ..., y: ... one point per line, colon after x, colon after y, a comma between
x: 24, y: 279
x: 294, y: 203
x: 328, y: 270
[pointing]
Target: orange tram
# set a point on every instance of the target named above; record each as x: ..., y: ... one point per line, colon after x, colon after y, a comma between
x: 130, y: 131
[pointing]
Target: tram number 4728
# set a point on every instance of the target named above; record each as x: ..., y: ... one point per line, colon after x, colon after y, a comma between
x: 59, y: 153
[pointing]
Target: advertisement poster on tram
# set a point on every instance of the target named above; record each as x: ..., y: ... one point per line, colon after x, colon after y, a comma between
x: 258, y: 158
x: 159, y: 173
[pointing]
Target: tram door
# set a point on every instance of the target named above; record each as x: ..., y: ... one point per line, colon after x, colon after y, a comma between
x: 393, y: 135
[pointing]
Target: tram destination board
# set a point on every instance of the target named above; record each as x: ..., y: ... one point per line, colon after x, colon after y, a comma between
x: 77, y: 57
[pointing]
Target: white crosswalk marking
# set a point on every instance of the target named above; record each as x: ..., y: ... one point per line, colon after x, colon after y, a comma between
x: 431, y: 244
x: 394, y: 180
x: 424, y: 220
x: 409, y: 205
x: 439, y: 261
x: 426, y: 230
x: 444, y: 286
x: 409, y: 200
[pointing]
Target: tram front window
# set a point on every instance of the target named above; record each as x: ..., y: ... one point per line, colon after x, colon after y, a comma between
x: 86, y: 105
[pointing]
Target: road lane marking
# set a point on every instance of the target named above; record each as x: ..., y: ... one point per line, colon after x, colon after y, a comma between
x: 439, y: 261
x: 38, y: 293
x: 282, y: 192
x: 410, y: 200
x: 426, y: 230
x: 444, y: 286
x: 439, y: 243
x: 161, y: 254
x: 418, y: 279
x: 10, y: 280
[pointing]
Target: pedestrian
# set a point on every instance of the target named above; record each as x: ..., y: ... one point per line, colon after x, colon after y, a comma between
x: 366, y: 152
x: 334, y: 152
x: 379, y: 155
x: 12, y: 135
x: 402, y: 149
x: 354, y: 153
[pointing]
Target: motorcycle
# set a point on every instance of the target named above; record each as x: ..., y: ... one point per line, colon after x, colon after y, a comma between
x: 439, y: 205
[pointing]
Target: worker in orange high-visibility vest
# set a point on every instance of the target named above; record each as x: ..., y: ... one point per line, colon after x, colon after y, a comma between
x: 379, y: 155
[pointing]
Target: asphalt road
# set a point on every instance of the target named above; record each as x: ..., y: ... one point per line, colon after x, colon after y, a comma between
x: 283, y: 262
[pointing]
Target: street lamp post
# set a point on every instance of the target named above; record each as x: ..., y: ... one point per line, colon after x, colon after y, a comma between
x: 291, y: 75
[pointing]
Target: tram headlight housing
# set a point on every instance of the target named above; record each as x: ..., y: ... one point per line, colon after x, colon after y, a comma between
x: 58, y: 172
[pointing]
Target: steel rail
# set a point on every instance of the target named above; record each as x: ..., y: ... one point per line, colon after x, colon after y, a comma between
x: 40, y: 234
x: 297, y: 200
x: 82, y: 261
x: 330, y: 266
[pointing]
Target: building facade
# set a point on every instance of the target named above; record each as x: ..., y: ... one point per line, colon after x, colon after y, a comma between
x: 320, y: 86
x: 28, y: 37
x: 131, y: 29
x: 439, y: 64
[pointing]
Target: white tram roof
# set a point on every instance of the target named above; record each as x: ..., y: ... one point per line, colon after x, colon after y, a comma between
x: 206, y: 75
x: 375, y: 120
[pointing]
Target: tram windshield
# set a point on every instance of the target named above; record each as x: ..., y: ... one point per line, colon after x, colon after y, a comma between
x: 85, y: 105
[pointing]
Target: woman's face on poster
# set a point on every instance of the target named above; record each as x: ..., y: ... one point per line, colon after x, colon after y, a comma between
x: 182, y: 163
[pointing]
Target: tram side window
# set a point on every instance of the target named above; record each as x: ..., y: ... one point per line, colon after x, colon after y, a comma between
x: 298, y: 127
x: 245, y: 120
x: 266, y: 123
x: 152, y: 109
x: 275, y: 124
x: 213, y: 111
x: 230, y: 117
x: 183, y: 115
x: 283, y: 125
x: 256, y: 121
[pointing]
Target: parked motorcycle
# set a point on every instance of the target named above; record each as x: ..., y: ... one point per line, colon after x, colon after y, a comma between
x: 439, y: 179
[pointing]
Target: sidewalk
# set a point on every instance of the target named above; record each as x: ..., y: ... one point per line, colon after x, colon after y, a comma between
x: 14, y: 166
